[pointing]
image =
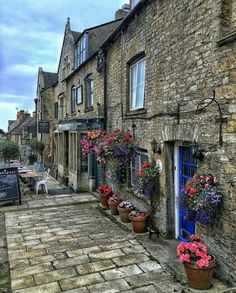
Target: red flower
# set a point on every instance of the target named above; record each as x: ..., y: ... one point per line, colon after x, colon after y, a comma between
x: 140, y: 173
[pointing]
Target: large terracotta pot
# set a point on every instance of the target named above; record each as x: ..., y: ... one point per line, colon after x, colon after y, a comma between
x: 139, y: 223
x: 124, y: 214
x: 104, y: 200
x: 200, y: 278
x: 114, y: 208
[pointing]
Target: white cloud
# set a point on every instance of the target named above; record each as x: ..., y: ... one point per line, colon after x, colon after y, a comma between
x: 6, y: 96
x: 22, y: 69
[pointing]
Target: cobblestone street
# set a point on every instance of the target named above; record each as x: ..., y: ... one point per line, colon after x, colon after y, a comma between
x: 76, y: 248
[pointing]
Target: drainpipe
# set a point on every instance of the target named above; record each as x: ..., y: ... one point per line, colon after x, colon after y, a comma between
x: 105, y: 88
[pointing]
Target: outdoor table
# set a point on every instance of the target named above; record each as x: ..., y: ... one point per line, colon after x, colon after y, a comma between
x: 24, y: 170
x: 30, y: 176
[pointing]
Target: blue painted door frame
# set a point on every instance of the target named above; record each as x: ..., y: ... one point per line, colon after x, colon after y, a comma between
x: 187, y: 168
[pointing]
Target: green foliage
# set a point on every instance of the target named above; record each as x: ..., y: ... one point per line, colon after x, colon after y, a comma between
x: 9, y: 150
x: 37, y: 145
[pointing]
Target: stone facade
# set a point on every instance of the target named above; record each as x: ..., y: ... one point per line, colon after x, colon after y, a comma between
x: 186, y: 63
x: 44, y: 108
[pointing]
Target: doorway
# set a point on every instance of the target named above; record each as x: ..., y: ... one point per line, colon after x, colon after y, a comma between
x: 186, y: 167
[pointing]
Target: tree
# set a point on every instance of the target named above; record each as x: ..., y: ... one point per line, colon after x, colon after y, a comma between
x: 9, y: 150
x: 37, y: 146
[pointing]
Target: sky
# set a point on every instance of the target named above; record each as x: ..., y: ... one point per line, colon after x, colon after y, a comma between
x: 31, y: 35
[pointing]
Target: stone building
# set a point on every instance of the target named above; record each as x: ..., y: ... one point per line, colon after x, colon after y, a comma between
x: 44, y: 108
x: 79, y: 105
x: 164, y: 62
x: 21, y: 132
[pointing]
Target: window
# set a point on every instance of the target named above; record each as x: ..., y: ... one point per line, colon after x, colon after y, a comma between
x: 133, y: 3
x: 72, y: 153
x: 79, y: 94
x: 137, y: 78
x: 89, y: 91
x: 81, y: 50
x: 73, y: 99
x: 141, y: 157
x: 56, y: 110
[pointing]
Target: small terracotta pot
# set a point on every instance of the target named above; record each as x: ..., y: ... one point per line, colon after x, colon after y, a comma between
x: 139, y: 223
x: 104, y: 200
x: 200, y: 278
x: 114, y: 208
x: 124, y: 214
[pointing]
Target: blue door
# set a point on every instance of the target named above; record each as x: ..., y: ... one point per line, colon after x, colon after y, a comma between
x: 187, y: 168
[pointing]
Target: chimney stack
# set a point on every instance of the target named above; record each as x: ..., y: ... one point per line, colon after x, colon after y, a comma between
x: 121, y: 13
x: 21, y: 116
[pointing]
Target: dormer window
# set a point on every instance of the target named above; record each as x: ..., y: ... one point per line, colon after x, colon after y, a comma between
x: 133, y: 3
x: 81, y: 50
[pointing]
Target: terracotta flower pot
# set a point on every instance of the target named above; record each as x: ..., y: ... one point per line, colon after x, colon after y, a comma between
x: 114, y: 208
x: 139, y: 223
x: 124, y: 214
x: 199, y: 278
x: 104, y: 200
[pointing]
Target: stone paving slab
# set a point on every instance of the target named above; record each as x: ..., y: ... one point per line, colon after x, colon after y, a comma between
x: 85, y: 251
x: 76, y: 248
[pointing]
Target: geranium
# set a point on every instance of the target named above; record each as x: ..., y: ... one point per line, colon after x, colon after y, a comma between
x: 114, y: 200
x: 200, y: 199
x: 137, y: 214
x: 126, y: 204
x: 148, y: 178
x: 105, y: 189
x: 117, y: 146
x: 90, y: 140
x: 194, y: 252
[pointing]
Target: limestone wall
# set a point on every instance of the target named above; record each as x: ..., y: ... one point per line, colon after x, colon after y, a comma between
x: 184, y: 65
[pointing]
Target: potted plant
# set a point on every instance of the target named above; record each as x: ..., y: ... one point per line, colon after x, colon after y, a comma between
x: 105, y: 191
x: 124, y: 208
x: 139, y: 221
x: 199, y: 265
x: 200, y: 199
x: 113, y: 202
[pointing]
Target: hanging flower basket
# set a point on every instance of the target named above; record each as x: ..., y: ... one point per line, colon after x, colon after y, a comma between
x: 200, y: 199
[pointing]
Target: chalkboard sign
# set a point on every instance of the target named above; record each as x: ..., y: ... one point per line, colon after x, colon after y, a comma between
x: 9, y: 184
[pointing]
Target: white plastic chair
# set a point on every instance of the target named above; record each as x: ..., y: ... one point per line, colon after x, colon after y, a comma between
x: 42, y: 182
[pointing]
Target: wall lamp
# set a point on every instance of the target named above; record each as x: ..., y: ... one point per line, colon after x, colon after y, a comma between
x: 155, y: 147
x: 196, y: 153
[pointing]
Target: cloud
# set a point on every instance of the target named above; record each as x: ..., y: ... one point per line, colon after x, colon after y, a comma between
x: 12, y: 97
x: 22, y: 69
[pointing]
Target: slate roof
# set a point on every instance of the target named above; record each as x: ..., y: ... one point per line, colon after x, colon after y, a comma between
x: 30, y: 121
x: 13, y: 125
x: 76, y: 35
x: 49, y: 79
x: 97, y: 35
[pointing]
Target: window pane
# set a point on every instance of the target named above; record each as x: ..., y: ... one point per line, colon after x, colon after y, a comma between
x: 185, y: 156
x: 140, y: 96
x: 141, y: 72
x: 133, y: 76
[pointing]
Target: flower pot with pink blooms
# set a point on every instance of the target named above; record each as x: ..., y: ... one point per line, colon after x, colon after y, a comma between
x: 124, y: 208
x: 139, y: 221
x: 105, y: 192
x: 199, y: 264
x: 113, y: 202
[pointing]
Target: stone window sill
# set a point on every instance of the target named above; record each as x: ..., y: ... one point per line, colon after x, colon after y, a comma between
x: 136, y: 112
x: 88, y: 109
